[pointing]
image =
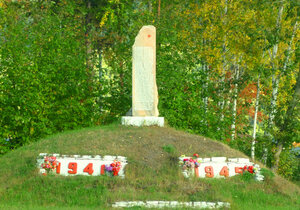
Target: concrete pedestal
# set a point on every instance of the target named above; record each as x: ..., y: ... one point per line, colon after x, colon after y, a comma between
x: 143, y: 121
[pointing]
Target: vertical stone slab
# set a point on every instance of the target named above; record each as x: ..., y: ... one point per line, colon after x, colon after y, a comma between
x: 144, y: 89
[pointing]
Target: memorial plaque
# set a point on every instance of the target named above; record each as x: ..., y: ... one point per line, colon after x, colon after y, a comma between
x: 144, y: 89
x: 81, y: 165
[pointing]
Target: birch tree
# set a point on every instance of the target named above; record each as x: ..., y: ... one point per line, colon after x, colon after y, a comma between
x: 255, y: 119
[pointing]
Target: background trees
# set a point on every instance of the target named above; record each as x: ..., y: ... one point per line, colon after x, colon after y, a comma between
x: 225, y: 69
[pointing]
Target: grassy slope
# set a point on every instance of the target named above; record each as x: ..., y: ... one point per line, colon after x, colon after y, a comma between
x: 152, y: 174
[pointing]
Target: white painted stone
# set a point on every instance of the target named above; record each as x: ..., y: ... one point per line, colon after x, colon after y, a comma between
x: 144, y: 80
x: 109, y: 157
x: 121, y: 158
x: 151, y: 204
x: 188, y: 204
x: 120, y: 204
x: 243, y: 160
x: 171, y: 204
x: 198, y: 204
x: 143, y: 121
x: 135, y: 203
x: 232, y: 166
x: 201, y: 169
x: 226, y: 205
x: 174, y: 204
x: 140, y: 203
x: 162, y: 204
x: 217, y: 163
x: 222, y: 205
x: 217, y: 167
x: 210, y: 205
x: 206, y: 159
x: 218, y: 159
x: 82, y: 162
x: 144, y: 89
x: 165, y: 203
x: 232, y: 160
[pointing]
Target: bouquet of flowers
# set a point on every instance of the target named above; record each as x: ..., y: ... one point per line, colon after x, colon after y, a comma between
x: 189, y: 164
x: 250, y: 169
x: 113, y: 168
x: 50, y: 164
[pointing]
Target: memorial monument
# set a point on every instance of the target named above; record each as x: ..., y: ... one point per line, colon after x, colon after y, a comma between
x: 144, y: 89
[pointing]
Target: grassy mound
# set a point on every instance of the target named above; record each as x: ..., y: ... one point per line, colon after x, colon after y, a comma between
x: 152, y: 173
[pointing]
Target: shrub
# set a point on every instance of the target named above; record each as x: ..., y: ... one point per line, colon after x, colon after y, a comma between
x: 288, y: 164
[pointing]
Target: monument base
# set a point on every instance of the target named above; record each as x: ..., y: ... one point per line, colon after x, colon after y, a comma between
x: 143, y: 121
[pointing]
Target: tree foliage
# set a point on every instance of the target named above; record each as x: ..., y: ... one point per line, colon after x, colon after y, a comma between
x: 67, y: 64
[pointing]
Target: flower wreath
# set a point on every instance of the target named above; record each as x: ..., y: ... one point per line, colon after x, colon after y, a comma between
x: 49, y: 164
x: 113, y: 168
x: 189, y: 164
x: 250, y: 169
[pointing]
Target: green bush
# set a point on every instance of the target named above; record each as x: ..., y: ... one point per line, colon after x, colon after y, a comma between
x: 44, y: 82
x: 288, y: 165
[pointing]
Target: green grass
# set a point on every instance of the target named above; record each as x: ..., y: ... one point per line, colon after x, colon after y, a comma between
x: 152, y: 173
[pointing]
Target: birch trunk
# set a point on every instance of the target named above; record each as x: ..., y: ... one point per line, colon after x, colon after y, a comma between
x: 275, y: 81
x: 205, y: 86
x: 222, y: 103
x: 235, y: 103
x: 265, y: 155
x: 255, y: 120
x: 290, y: 47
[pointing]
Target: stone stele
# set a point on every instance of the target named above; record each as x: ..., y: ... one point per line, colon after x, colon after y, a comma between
x: 144, y: 89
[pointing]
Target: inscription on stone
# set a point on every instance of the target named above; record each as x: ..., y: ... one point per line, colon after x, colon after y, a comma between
x: 144, y: 89
x: 143, y: 62
x: 144, y: 111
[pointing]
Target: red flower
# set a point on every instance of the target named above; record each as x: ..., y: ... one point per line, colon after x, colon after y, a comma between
x: 250, y: 169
